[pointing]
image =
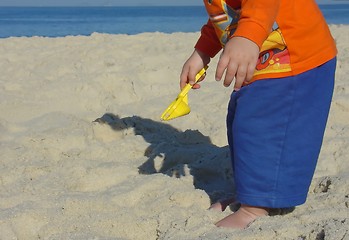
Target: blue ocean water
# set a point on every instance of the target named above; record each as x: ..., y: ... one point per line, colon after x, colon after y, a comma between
x: 63, y: 21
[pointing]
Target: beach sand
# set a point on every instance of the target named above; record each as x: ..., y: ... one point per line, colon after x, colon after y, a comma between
x: 84, y: 154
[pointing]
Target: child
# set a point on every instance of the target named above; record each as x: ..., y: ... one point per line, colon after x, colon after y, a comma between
x: 283, y: 58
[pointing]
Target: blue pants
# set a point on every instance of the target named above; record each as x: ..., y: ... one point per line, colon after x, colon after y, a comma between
x: 275, y: 131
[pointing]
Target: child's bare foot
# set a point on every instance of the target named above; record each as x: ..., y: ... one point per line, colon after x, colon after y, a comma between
x: 243, y: 217
x: 223, y: 204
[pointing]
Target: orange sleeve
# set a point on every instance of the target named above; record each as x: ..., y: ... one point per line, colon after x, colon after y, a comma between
x: 257, y: 19
x: 208, y: 42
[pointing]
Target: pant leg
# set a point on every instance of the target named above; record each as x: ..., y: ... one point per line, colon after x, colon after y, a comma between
x: 275, y: 131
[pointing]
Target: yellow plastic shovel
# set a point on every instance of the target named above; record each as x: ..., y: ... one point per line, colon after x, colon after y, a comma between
x: 180, y: 107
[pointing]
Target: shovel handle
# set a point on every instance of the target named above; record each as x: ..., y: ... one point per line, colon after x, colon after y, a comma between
x: 188, y: 86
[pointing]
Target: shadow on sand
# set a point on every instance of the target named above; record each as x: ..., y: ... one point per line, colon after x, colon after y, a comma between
x: 177, y: 154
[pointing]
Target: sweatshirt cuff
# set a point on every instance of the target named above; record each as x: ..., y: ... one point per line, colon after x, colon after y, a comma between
x: 207, y: 46
x: 208, y: 42
x: 258, y: 35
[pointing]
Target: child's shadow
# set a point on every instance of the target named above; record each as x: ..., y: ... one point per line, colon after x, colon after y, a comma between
x: 178, y: 154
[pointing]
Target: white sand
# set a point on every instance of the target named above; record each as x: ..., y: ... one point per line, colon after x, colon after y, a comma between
x: 129, y: 175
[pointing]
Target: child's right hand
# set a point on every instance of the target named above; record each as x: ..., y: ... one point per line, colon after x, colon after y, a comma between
x: 191, y: 67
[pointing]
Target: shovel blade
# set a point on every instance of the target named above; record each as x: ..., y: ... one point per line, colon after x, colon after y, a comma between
x: 177, y: 108
x: 180, y: 107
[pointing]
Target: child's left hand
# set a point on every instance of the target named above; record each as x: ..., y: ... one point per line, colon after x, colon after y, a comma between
x: 238, y: 61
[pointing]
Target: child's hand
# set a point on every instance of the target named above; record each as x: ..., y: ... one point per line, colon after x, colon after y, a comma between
x: 238, y: 60
x: 191, y: 67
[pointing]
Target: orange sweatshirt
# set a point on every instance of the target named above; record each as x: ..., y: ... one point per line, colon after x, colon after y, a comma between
x: 292, y: 35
